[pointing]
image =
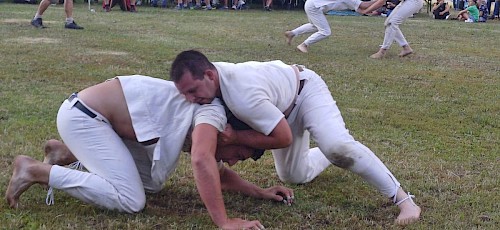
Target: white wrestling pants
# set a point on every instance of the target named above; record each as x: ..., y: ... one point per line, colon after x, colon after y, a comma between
x: 118, y: 171
x: 318, y: 23
x: 403, y: 11
x: 316, y: 115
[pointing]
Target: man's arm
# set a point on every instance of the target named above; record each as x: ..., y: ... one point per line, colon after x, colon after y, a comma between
x: 280, y: 137
x: 373, y: 7
x: 436, y: 5
x: 232, y: 182
x: 207, y: 178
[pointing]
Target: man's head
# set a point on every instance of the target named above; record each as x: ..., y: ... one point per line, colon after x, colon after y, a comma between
x: 231, y: 154
x: 195, y: 77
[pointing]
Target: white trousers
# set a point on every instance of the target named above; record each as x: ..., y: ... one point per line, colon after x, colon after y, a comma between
x: 118, y: 170
x: 403, y: 11
x: 318, y: 24
x: 316, y: 116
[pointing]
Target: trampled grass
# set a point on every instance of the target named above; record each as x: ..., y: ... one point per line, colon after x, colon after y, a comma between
x: 432, y: 117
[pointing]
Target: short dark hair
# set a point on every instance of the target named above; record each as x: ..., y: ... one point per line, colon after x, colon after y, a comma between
x: 257, y: 153
x: 190, y: 60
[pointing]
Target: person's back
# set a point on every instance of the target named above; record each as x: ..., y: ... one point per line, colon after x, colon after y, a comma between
x: 252, y: 82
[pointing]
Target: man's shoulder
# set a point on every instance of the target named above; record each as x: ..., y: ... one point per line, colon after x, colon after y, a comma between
x: 143, y: 78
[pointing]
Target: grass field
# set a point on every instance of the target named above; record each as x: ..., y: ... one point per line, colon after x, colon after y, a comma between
x: 432, y: 117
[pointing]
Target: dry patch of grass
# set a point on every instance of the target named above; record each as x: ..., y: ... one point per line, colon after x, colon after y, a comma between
x: 28, y: 40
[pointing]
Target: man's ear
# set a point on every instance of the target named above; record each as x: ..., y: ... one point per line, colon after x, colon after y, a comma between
x: 210, y: 74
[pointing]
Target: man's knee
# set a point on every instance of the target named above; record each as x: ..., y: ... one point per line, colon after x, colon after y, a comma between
x: 326, y: 33
x: 293, y: 179
x: 156, y: 188
x: 296, y: 175
x: 341, y: 154
x: 134, y: 204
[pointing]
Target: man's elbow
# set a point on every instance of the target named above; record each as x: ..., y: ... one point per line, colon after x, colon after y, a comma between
x: 285, y: 141
x: 200, y: 159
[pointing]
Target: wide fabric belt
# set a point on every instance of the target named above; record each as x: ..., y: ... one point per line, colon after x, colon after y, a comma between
x: 300, y: 85
x: 80, y: 106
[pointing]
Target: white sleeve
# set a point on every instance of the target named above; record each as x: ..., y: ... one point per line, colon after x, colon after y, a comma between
x: 262, y: 115
x: 212, y: 114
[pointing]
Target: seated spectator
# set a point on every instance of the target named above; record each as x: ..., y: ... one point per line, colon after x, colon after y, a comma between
x: 390, y: 5
x: 483, y: 11
x: 386, y: 9
x: 181, y: 4
x: 441, y: 10
x: 238, y: 5
x: 208, y: 5
x: 471, y: 14
x: 125, y: 5
x: 380, y: 11
x: 154, y: 3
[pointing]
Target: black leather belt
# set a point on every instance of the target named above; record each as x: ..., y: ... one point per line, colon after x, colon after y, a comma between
x: 80, y: 106
x: 299, y: 89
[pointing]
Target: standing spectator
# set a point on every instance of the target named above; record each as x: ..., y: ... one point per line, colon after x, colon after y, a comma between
x: 68, y: 9
x: 471, y: 14
x: 441, y: 10
x: 107, y: 7
x: 267, y: 6
x: 496, y: 10
x: 132, y: 8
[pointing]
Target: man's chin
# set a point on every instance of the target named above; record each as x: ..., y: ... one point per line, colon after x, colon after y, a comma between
x: 204, y: 101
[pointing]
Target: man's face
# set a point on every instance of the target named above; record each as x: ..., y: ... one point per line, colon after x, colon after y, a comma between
x: 232, y: 154
x: 197, y: 91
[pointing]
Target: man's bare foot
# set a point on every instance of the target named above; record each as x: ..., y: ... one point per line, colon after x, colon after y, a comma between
x: 405, y: 52
x: 302, y: 48
x: 56, y: 153
x: 21, y: 179
x: 409, y: 211
x: 379, y: 55
x: 289, y: 37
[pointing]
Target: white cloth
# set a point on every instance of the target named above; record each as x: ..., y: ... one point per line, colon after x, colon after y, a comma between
x: 318, y: 23
x: 328, y: 5
x: 120, y: 170
x: 315, y: 116
x: 158, y: 110
x: 266, y: 87
x: 401, y: 12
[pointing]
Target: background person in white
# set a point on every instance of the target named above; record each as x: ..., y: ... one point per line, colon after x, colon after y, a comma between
x: 403, y: 11
x: 259, y: 93
x: 318, y: 24
x: 125, y: 123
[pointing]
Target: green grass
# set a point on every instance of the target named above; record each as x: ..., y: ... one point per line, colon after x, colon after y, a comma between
x: 433, y: 117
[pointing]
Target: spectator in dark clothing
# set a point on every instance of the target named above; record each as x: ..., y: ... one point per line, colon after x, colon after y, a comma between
x: 441, y: 10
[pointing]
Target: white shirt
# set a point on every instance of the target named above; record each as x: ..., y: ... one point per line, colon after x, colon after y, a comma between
x: 158, y: 110
x: 257, y: 92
